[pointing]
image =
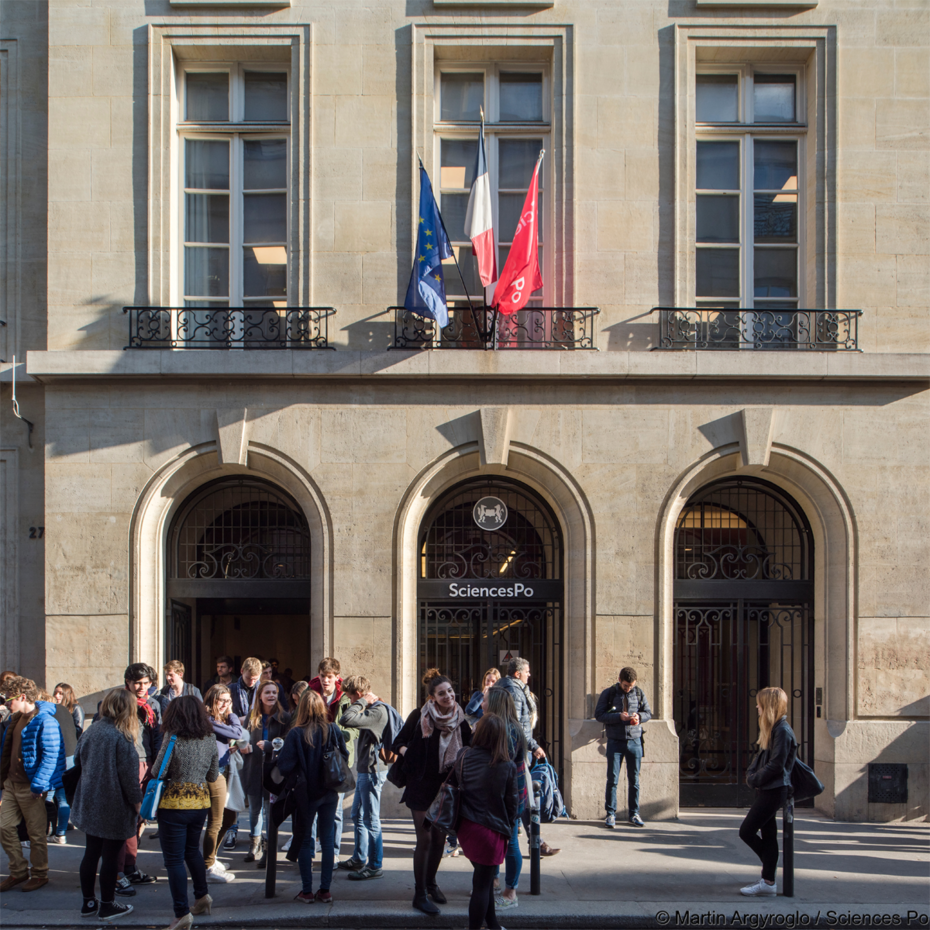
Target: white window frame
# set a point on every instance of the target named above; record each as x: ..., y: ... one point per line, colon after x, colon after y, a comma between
x: 236, y: 130
x: 495, y: 130
x: 746, y: 133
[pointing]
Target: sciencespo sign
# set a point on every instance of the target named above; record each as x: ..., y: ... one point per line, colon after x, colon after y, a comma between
x: 537, y: 589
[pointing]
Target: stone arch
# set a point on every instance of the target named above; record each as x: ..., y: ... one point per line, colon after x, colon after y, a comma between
x: 154, y: 512
x: 833, y: 525
x: 555, y: 485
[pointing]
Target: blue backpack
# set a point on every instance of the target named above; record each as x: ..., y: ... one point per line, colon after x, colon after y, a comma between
x: 551, y: 804
x: 394, y: 725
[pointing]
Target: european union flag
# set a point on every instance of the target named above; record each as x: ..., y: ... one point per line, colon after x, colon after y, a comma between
x: 426, y: 293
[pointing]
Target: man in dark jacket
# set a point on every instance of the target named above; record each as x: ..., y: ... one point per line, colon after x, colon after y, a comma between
x: 242, y: 691
x: 177, y: 686
x: 623, y: 709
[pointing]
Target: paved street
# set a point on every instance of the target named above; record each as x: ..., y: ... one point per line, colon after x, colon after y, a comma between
x: 685, y: 872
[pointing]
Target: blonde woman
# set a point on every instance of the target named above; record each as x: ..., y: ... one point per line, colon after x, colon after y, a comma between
x: 303, y: 752
x: 107, y: 800
x: 770, y: 775
x: 475, y: 706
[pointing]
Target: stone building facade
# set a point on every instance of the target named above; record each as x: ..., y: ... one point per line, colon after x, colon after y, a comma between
x: 727, y: 493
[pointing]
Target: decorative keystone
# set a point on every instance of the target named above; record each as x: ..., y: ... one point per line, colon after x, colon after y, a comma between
x: 758, y: 428
x: 496, y: 429
x: 231, y: 441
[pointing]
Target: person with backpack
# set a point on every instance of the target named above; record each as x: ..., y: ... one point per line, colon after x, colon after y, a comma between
x: 623, y: 709
x: 370, y: 717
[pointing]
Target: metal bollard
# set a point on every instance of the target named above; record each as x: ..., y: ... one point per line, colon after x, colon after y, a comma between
x: 534, y: 840
x: 271, y: 855
x: 787, y: 852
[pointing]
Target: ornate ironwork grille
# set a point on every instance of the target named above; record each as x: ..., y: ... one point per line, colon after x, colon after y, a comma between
x: 242, y: 532
x: 744, y: 621
x: 464, y: 637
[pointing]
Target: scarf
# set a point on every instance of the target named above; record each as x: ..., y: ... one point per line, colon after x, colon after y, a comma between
x: 450, y: 735
x: 146, y: 708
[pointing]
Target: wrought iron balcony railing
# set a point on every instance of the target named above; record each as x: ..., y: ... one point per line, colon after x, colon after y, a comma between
x: 700, y: 328
x: 483, y: 328
x: 229, y: 327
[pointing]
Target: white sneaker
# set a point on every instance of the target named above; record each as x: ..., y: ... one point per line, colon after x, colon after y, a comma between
x: 761, y: 887
x: 287, y: 845
x: 219, y: 876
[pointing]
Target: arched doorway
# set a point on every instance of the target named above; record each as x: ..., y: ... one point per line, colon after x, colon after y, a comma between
x: 743, y: 609
x: 239, y: 577
x: 490, y: 586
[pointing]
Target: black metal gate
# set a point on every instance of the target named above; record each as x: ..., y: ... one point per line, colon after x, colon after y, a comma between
x: 485, y: 595
x: 743, y: 621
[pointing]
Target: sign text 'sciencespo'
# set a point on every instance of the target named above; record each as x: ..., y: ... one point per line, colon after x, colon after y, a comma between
x: 514, y: 590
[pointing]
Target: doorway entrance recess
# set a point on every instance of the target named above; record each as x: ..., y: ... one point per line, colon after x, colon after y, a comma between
x: 744, y: 594
x: 490, y: 588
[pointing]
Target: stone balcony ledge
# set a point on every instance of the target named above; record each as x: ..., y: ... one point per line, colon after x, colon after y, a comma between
x: 55, y: 365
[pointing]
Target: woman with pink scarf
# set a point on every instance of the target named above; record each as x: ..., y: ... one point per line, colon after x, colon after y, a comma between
x: 429, y: 742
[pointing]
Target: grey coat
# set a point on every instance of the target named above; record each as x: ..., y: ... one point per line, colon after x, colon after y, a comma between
x: 108, y: 790
x: 523, y: 706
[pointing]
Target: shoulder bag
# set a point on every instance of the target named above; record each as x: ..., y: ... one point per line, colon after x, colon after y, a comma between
x: 444, y: 811
x: 397, y: 773
x: 337, y: 776
x: 155, y: 788
x: 804, y: 783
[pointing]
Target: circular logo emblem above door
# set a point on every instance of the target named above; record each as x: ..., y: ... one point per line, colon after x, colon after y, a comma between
x: 490, y: 513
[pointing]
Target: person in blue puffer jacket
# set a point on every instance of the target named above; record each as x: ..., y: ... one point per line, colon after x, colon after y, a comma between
x: 31, y: 764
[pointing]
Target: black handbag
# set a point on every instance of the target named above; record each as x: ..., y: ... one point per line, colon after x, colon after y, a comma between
x: 397, y: 773
x: 443, y: 813
x: 337, y: 776
x: 69, y: 781
x: 804, y: 783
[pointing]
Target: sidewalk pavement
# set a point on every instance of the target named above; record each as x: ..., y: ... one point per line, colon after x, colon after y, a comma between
x: 686, y: 872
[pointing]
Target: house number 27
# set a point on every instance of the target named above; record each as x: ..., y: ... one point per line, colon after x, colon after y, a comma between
x: 36, y: 532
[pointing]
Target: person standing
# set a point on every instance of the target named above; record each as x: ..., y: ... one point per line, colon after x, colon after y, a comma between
x: 66, y: 713
x: 107, y: 800
x: 367, y: 716
x: 226, y: 729
x: 33, y: 762
x: 242, y: 690
x: 224, y: 673
x: 430, y: 741
x: 488, y: 810
x: 770, y: 774
x: 475, y: 706
x: 177, y: 686
x: 185, y: 802
x: 516, y: 684
x: 64, y: 694
x: 303, y: 752
x: 623, y: 709
x: 267, y: 720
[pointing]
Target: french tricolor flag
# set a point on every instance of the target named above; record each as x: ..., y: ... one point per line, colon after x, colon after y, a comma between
x: 478, y: 221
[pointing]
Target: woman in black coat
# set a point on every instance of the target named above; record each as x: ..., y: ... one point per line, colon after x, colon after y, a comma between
x: 429, y: 742
x: 770, y: 775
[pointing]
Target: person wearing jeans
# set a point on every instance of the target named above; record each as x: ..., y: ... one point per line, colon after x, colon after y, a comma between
x: 368, y: 715
x: 179, y: 834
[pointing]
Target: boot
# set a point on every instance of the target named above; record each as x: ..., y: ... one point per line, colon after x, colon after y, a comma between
x: 261, y: 863
x: 422, y: 903
x: 255, y: 849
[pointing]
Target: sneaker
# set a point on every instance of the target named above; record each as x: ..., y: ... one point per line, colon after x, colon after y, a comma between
x: 24, y: 844
x: 610, y: 822
x: 502, y: 904
x: 124, y: 888
x: 140, y: 878
x: 637, y: 821
x: 114, y: 910
x: 366, y: 873
x: 89, y: 907
x: 305, y: 897
x: 449, y: 849
x: 230, y: 841
x: 287, y: 845
x: 324, y: 897
x: 350, y: 865
x: 60, y: 839
x: 219, y: 876
x: 761, y: 887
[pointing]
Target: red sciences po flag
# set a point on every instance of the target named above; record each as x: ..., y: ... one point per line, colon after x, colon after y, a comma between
x: 521, y: 276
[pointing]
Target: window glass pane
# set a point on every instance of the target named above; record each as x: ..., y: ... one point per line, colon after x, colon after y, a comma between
x: 773, y: 98
x: 263, y: 275
x: 521, y: 97
x: 717, y: 273
x: 509, y: 207
x: 717, y: 218
x: 209, y: 304
x: 207, y: 96
x: 775, y: 273
x: 458, y: 158
x: 517, y: 161
x: 206, y: 165
x: 453, y: 215
x: 206, y: 218
x: 718, y: 166
x: 265, y: 164
x: 206, y: 272
x: 266, y: 96
x: 469, y: 265
x: 717, y: 98
x: 264, y: 218
x: 461, y: 96
x: 775, y: 166
x: 775, y: 217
